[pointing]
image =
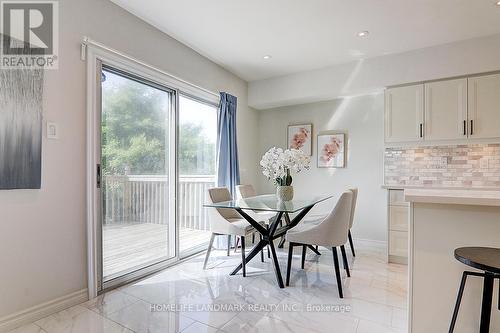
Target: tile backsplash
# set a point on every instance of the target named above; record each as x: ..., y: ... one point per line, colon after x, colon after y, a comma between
x: 475, y: 165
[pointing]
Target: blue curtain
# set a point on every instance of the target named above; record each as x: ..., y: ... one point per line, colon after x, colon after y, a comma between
x: 228, y: 174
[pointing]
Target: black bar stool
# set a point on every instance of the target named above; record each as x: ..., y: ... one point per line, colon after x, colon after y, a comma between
x: 486, y: 259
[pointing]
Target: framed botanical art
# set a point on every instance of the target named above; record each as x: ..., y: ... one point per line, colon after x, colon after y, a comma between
x: 300, y: 137
x: 331, y: 150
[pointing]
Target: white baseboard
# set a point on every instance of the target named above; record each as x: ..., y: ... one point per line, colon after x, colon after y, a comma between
x: 40, y: 311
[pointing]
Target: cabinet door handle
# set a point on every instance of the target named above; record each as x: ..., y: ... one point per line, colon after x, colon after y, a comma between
x: 421, y: 130
x: 465, y: 127
x: 471, y: 127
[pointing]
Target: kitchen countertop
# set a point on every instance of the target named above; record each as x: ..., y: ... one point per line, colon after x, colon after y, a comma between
x: 420, y: 187
x: 453, y: 196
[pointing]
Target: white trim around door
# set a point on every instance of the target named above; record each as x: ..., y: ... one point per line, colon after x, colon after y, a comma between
x: 95, y: 53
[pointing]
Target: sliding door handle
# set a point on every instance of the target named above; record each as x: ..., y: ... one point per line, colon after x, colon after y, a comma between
x: 421, y: 130
x: 98, y: 175
x: 471, y: 127
x: 465, y: 127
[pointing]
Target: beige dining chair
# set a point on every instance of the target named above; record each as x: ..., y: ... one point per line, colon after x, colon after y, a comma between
x: 320, y: 217
x: 226, y: 221
x: 248, y: 191
x: 332, y: 232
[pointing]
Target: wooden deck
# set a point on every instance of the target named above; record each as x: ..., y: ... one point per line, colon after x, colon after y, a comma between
x: 128, y: 246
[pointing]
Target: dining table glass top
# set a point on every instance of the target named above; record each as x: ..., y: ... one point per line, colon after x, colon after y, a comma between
x: 270, y: 203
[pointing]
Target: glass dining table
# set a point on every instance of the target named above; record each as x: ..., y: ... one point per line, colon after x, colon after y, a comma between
x: 283, y: 209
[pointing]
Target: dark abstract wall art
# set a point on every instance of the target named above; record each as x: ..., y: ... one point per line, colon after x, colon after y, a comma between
x: 21, y: 92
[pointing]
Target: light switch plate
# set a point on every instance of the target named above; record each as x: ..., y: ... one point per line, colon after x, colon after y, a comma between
x: 52, y: 131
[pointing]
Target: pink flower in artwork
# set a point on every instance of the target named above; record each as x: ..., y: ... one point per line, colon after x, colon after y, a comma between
x: 330, y: 150
x: 299, y: 138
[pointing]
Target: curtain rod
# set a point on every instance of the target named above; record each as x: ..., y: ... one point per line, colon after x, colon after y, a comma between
x: 87, y: 41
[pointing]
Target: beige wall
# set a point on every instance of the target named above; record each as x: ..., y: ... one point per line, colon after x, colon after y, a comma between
x: 42, y: 232
x: 362, y: 119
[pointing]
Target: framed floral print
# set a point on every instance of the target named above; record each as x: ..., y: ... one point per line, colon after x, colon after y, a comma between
x: 300, y: 137
x: 331, y: 150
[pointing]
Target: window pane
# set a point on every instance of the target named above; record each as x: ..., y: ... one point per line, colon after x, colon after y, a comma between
x: 135, y: 189
x: 134, y: 126
x: 197, y: 144
x: 197, y: 137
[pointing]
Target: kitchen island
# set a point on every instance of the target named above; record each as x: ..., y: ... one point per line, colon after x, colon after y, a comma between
x: 440, y: 222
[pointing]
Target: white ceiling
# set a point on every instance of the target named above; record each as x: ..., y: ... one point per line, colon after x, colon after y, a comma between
x: 308, y: 34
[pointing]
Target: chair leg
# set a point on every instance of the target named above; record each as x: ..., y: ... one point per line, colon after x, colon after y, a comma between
x: 210, y: 244
x: 261, y: 251
x: 243, y: 256
x: 316, y: 247
x: 457, y: 304
x: 289, y: 265
x: 228, y: 245
x: 237, y: 243
x: 303, y: 256
x: 268, y: 251
x: 344, y: 258
x: 337, y: 271
x: 351, y: 243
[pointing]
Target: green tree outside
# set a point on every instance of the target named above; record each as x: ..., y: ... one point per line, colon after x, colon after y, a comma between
x: 135, y: 132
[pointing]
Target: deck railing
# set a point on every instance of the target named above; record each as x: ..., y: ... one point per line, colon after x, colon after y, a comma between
x: 145, y: 199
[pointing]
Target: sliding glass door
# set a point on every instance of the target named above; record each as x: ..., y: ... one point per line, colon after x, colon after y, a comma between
x: 138, y: 216
x: 157, y: 160
x: 197, y: 144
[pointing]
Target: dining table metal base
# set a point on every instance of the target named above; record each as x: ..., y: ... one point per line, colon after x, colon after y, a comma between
x: 282, y: 241
x: 268, y: 236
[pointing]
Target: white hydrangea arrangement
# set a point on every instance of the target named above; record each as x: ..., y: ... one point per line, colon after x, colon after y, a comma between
x: 277, y: 163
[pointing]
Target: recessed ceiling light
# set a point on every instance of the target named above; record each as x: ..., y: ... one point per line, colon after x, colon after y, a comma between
x: 363, y: 33
x: 267, y: 56
x: 498, y: 3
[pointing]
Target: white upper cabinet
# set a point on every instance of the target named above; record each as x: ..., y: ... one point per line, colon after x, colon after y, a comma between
x: 446, y: 110
x: 404, y: 111
x: 484, y: 106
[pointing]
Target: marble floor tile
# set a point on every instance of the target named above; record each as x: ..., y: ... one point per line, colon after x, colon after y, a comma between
x: 162, y: 292
x: 110, y: 302
x: 211, y: 318
x: 79, y: 319
x: 377, y: 295
x: 186, y: 298
x: 30, y: 328
x: 358, y: 308
x: 249, y: 322
x: 200, y: 328
x: 317, y: 321
x: 399, y: 318
x: 366, y: 326
x: 141, y: 319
